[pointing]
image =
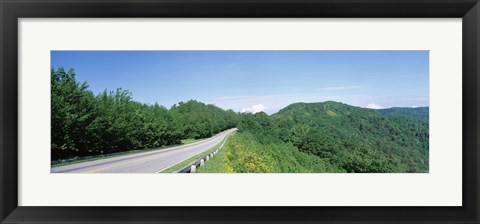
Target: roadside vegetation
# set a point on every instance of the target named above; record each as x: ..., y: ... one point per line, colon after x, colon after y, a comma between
x: 244, y: 154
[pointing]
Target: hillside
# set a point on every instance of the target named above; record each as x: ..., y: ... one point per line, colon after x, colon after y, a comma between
x: 352, y: 138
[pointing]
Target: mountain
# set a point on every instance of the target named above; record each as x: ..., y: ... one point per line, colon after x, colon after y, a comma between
x: 352, y: 138
x: 421, y: 113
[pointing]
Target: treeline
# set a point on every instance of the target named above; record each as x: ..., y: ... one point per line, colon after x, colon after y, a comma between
x: 350, y: 138
x: 84, y: 124
x: 418, y: 112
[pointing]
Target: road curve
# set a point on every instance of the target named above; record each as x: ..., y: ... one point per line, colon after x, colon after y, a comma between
x: 146, y: 162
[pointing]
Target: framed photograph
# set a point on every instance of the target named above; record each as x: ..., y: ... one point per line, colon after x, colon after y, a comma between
x: 239, y: 111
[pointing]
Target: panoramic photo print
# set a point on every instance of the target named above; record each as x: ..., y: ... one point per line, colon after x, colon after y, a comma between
x: 237, y: 111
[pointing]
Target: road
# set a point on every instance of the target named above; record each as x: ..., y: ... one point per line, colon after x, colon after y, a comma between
x: 146, y: 162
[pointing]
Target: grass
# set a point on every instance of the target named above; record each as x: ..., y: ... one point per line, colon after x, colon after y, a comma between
x: 216, y: 164
x: 126, y: 153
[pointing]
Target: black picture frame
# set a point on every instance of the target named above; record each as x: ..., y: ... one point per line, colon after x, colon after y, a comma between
x: 12, y: 10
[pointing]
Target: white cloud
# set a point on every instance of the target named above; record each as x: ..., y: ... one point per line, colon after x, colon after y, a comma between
x: 373, y: 106
x: 254, y: 109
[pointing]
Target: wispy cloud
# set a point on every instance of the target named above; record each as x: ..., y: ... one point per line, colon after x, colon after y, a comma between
x: 335, y: 88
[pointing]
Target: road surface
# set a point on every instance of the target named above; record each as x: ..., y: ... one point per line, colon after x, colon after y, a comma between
x: 146, y: 162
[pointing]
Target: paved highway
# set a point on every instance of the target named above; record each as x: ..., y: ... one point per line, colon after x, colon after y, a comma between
x: 146, y: 162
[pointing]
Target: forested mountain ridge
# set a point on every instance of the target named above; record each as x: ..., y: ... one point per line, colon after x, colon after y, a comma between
x: 400, y: 138
x: 339, y: 132
x: 421, y: 113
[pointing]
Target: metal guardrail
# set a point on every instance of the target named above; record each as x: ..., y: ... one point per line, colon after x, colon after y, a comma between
x: 192, y: 167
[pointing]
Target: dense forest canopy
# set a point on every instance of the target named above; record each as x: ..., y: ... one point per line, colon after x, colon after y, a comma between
x: 312, y: 137
x: 86, y: 124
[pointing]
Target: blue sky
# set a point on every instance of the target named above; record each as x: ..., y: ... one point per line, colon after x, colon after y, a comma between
x: 257, y: 80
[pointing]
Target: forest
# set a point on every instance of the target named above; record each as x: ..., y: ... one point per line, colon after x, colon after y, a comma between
x: 85, y: 124
x: 302, y: 137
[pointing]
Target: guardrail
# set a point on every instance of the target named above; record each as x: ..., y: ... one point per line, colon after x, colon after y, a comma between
x: 192, y: 167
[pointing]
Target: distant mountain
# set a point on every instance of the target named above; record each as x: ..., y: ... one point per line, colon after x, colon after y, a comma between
x: 421, y: 113
x: 396, y: 135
